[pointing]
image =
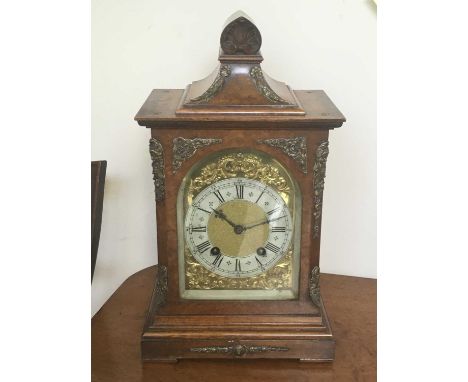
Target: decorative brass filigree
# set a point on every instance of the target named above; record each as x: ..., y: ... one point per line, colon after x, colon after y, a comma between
x: 184, y: 148
x: 296, y: 148
x: 160, y: 290
x: 238, y: 349
x: 157, y: 158
x: 159, y: 293
x: 314, y: 287
x: 215, y: 87
x: 277, y: 277
x: 263, y: 87
x: 239, y: 165
x: 320, y: 164
x: 161, y: 286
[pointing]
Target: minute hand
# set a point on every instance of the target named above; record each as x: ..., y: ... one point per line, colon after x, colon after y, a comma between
x: 264, y: 222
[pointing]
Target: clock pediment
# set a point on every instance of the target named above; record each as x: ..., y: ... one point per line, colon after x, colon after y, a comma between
x: 239, y: 85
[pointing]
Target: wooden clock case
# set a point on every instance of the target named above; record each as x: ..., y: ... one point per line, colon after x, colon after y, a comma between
x: 238, y: 106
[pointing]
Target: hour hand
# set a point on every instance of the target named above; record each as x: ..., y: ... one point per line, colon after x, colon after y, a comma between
x: 220, y: 214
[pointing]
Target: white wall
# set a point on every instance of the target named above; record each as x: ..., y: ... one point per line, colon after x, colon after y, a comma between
x: 146, y: 44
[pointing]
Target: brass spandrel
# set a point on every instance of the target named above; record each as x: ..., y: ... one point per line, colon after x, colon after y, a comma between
x: 245, y: 165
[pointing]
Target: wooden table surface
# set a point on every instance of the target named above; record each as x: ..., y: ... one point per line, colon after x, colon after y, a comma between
x: 351, y: 306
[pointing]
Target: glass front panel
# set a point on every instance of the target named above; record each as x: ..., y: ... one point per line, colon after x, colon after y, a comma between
x: 238, y: 217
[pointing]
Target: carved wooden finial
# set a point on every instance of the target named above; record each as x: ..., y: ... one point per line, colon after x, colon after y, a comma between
x: 240, y: 36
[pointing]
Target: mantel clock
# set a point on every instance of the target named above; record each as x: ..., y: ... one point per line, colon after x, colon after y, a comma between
x: 239, y: 166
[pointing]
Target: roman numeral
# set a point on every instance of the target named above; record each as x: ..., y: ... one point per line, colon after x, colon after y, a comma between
x: 218, y: 260
x: 271, y: 247
x: 278, y: 229
x: 273, y: 211
x: 240, y: 191
x: 238, y: 265
x: 198, y: 229
x: 259, y: 196
x: 219, y: 196
x: 203, y: 246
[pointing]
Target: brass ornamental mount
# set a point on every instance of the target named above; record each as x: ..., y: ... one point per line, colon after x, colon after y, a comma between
x: 185, y: 148
x: 296, y: 148
x: 278, y: 277
x: 320, y: 166
x: 314, y: 285
x: 263, y: 87
x: 238, y: 350
x: 245, y: 164
x: 157, y: 159
x: 161, y: 285
x: 215, y: 87
x: 160, y: 289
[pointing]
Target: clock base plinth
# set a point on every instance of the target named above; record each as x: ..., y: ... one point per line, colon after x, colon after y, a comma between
x: 307, y: 339
x: 318, y: 350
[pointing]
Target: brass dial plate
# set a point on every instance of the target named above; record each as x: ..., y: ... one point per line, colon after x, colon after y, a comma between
x: 223, y: 236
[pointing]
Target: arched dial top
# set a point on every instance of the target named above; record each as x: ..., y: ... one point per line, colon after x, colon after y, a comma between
x: 241, y: 36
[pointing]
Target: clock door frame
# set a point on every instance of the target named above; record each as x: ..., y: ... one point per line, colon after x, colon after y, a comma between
x: 280, y: 180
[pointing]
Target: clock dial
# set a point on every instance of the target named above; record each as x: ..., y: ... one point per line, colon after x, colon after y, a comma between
x: 238, y: 227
